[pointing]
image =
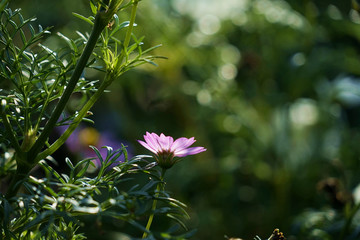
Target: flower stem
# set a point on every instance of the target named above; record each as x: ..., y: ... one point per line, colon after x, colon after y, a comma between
x: 153, y: 208
x: 131, y: 24
x: 129, y: 31
x: 81, y: 114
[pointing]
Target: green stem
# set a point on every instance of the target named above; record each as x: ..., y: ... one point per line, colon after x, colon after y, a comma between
x: 131, y: 24
x: 129, y: 30
x: 153, y: 208
x: 81, y: 114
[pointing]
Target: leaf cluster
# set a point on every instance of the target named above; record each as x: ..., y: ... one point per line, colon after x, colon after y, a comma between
x: 53, y: 204
x: 116, y: 54
x: 33, y: 77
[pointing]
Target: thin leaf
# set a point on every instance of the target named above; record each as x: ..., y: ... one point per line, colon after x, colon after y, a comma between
x: 84, y: 167
x: 69, y: 163
x: 86, y: 19
x: 118, y: 27
x: 70, y: 42
x: 93, y: 8
x: 178, y: 220
x: 52, y: 171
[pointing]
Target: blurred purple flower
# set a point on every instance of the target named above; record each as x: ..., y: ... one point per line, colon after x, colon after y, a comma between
x: 166, y: 148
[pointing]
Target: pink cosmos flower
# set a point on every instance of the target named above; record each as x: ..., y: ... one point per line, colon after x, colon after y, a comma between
x: 166, y: 148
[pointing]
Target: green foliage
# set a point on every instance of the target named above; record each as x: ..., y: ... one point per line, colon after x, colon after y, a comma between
x: 51, y: 205
x: 34, y: 77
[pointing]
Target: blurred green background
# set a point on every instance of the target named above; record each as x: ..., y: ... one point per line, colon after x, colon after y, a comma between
x: 270, y: 88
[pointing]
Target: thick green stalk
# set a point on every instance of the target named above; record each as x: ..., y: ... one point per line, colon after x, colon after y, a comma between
x: 97, y: 29
x: 153, y: 208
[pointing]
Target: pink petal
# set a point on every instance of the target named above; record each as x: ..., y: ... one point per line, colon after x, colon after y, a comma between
x: 147, y: 146
x: 182, y: 143
x: 189, y: 151
x: 165, y: 142
x: 152, y: 140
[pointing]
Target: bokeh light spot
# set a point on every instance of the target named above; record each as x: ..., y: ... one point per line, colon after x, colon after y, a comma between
x: 334, y: 12
x: 263, y: 170
x: 209, y: 24
x: 230, y: 54
x: 228, y: 71
x: 89, y: 136
x: 298, y: 59
x: 195, y: 39
x: 303, y: 113
x: 239, y: 19
x: 203, y: 97
x: 354, y: 16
